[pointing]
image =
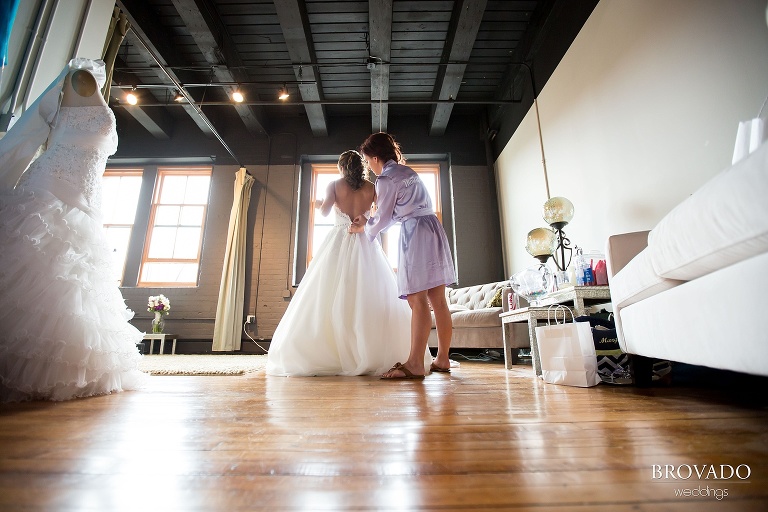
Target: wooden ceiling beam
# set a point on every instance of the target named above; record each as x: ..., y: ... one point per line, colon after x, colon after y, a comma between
x: 144, y: 25
x: 462, y: 32
x: 294, y: 23
x: 380, y: 40
x: 215, y: 42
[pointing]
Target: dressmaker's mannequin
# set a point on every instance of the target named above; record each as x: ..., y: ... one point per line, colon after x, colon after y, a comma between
x: 81, y: 90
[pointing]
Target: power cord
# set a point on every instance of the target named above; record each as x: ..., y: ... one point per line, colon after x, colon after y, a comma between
x: 485, y: 356
x: 253, y: 340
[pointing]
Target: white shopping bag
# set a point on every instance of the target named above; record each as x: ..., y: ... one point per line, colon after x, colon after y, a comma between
x: 567, y: 352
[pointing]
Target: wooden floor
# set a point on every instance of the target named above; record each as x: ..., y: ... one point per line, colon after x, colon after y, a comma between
x: 481, y: 438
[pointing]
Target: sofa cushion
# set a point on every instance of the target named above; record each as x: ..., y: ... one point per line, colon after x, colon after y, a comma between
x: 637, y: 281
x: 473, y: 297
x: 486, y: 317
x: 723, y: 222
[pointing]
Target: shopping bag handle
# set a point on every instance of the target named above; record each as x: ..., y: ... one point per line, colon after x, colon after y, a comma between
x: 553, y: 309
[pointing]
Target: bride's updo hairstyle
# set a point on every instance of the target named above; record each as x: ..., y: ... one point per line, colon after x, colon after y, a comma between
x: 384, y: 147
x: 352, y: 168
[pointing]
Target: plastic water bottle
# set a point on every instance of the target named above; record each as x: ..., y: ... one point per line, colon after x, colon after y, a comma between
x: 580, y: 267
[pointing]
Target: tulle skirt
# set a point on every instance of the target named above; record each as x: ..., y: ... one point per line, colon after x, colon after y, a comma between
x: 346, y: 317
x: 64, y: 330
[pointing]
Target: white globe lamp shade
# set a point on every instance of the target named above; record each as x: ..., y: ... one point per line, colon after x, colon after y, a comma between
x: 558, y: 212
x: 541, y: 243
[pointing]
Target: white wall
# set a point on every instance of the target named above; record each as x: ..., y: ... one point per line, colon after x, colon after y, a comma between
x: 640, y: 112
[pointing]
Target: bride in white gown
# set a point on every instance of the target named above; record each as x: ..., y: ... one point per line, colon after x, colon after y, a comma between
x: 64, y: 330
x: 346, y: 317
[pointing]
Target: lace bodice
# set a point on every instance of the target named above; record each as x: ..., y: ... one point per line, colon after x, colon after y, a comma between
x: 342, y: 219
x: 78, y: 147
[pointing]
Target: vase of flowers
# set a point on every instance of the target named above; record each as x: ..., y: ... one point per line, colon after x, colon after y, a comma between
x: 160, y: 306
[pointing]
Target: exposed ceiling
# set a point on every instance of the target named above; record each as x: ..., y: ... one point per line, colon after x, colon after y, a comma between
x: 376, y: 58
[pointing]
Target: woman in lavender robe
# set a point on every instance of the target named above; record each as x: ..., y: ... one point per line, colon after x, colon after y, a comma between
x: 425, y: 265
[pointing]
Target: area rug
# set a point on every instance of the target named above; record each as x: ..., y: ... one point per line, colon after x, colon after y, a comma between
x: 202, y: 364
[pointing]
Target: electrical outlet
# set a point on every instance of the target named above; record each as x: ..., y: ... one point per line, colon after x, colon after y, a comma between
x: 250, y: 319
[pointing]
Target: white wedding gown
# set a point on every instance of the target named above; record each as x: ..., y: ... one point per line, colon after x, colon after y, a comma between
x: 346, y: 317
x: 64, y: 330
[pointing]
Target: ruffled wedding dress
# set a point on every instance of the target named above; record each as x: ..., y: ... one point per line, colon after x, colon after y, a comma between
x: 346, y: 317
x: 64, y: 330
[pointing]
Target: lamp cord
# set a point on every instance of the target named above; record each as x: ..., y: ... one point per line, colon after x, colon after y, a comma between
x: 541, y: 145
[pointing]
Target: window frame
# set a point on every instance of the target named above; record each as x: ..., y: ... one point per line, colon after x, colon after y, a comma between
x: 303, y: 228
x: 162, y: 173
x: 316, y: 169
x: 111, y: 172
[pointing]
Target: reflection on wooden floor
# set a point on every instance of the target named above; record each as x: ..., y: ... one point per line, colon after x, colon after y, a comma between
x: 481, y: 438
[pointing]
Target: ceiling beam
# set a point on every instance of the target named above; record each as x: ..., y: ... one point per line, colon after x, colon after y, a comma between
x: 465, y: 22
x: 159, y: 123
x: 215, y: 42
x: 380, y: 40
x: 145, y: 26
x: 294, y: 22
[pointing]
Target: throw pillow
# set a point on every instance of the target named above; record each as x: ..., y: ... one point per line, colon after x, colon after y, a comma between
x: 495, y: 302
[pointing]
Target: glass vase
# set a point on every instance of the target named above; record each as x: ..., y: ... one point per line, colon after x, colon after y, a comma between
x: 158, y: 324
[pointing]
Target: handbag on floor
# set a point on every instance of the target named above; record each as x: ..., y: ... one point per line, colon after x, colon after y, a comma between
x: 613, y: 365
x: 567, y: 351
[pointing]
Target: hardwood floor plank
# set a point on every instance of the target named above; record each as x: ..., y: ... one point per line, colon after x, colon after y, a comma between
x: 481, y: 438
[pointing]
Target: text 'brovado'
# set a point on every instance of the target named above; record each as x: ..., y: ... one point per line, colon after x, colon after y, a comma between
x: 700, y: 472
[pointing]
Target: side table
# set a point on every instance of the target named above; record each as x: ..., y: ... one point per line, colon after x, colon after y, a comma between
x: 576, y: 297
x: 161, y: 336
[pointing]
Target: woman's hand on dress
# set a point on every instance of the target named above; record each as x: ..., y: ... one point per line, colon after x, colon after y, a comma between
x: 358, y: 225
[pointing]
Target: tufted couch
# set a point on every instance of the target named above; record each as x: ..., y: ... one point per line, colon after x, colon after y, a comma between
x: 474, y: 324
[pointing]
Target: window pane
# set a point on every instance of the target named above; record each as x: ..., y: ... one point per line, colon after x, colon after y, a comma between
x: 197, y: 190
x: 162, y: 272
x: 191, y: 216
x: 173, y: 190
x: 390, y: 242
x: 117, y: 238
x: 320, y: 232
x: 167, y: 215
x: 161, y: 245
x: 120, y: 197
x: 430, y: 181
x: 187, y: 243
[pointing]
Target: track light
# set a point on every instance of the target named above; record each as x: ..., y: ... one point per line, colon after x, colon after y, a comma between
x: 131, y: 97
x: 177, y: 96
x: 283, y: 93
x: 237, y: 96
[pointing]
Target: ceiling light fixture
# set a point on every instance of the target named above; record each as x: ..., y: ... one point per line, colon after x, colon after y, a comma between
x: 283, y: 93
x: 131, y: 97
x: 237, y: 96
x: 177, y: 96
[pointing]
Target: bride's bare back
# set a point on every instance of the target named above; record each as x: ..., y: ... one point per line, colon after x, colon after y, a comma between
x: 350, y: 201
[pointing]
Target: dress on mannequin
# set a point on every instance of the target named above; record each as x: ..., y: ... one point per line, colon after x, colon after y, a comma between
x: 64, y: 330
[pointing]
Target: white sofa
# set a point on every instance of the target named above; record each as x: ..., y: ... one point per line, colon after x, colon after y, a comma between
x: 474, y: 324
x: 693, y: 288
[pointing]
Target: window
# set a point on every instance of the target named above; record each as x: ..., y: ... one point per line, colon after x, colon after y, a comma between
x: 174, y: 238
x: 320, y: 226
x: 120, y: 197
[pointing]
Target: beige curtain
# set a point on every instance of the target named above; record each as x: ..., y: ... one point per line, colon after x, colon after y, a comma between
x: 228, y: 328
x: 118, y: 27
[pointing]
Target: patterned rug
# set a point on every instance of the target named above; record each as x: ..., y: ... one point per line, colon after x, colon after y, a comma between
x: 202, y: 364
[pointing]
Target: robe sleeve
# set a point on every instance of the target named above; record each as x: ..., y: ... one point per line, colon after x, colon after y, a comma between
x: 386, y: 196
